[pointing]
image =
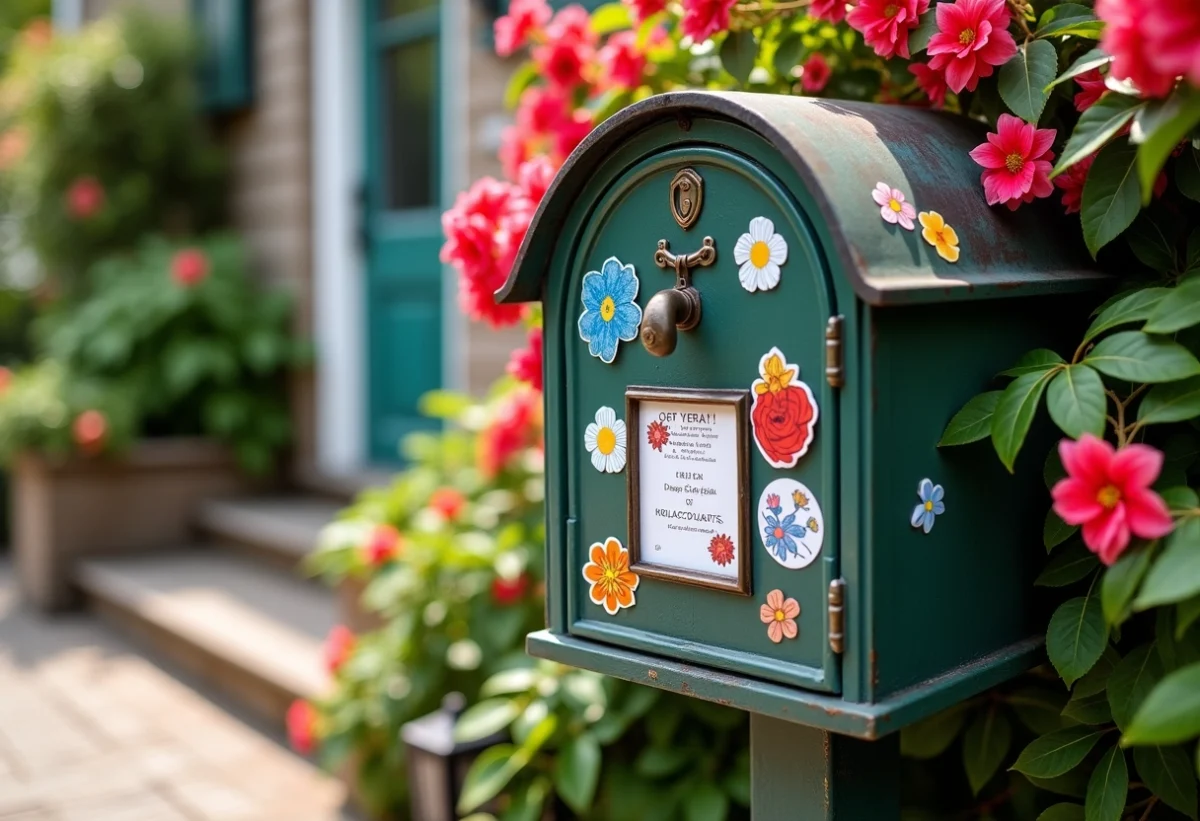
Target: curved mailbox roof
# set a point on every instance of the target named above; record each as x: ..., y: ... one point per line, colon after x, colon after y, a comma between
x: 840, y: 150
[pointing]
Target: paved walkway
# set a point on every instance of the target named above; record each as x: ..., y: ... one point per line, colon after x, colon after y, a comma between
x: 92, y: 730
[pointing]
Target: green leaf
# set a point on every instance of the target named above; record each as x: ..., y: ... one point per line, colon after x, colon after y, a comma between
x: 1167, y: 771
x: 973, y: 422
x: 1136, y: 357
x: 1057, y: 753
x: 929, y: 738
x: 1063, y: 812
x: 738, y: 54
x: 577, y: 771
x: 1076, y: 401
x: 1111, y: 195
x: 984, y: 747
x: 788, y: 54
x: 1069, y: 19
x: 1024, y: 78
x: 1175, y: 576
x: 918, y: 38
x: 1171, y: 713
x: 1055, y: 531
x: 488, y: 775
x: 1072, y: 784
x: 1076, y: 637
x: 1095, y: 58
x: 611, y: 17
x: 1038, y: 360
x: 1134, y: 307
x: 526, y: 75
x: 1038, y: 708
x: 1014, y: 414
x: 1108, y: 788
x: 1187, y: 173
x: 1089, y: 705
x: 1171, y: 402
x: 1120, y: 583
x: 1178, y: 309
x: 706, y: 803
x: 1131, y: 680
x: 1150, y: 243
x: 1187, y: 614
x: 485, y: 718
x: 1158, y: 129
x: 1068, y: 566
x: 1097, y: 126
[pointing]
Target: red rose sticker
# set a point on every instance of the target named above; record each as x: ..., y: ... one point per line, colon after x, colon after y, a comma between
x: 784, y: 412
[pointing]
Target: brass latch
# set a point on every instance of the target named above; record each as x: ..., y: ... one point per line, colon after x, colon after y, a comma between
x: 835, y: 373
x: 837, y: 616
x: 675, y: 309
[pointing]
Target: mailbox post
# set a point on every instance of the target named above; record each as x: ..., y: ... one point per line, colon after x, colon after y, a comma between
x: 760, y: 313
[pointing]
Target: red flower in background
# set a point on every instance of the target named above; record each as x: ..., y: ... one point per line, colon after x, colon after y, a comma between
x: 885, y: 24
x: 6, y: 378
x: 1016, y: 162
x: 302, y: 726
x: 534, y: 178
x: 514, y: 29
x: 972, y: 39
x: 525, y: 364
x: 189, y: 267
x: 1152, y: 42
x: 339, y: 645
x: 85, y: 197
x: 448, y: 503
x: 704, y: 18
x: 90, y: 431
x: 13, y: 144
x: 816, y: 73
x: 657, y: 435
x: 831, y: 11
x: 643, y: 9
x: 506, y: 592
x: 931, y: 81
x: 384, y: 544
x: 570, y: 48
x: 516, y: 426
x: 1071, y: 183
x: 721, y: 549
x: 622, y: 63
x: 1092, y: 88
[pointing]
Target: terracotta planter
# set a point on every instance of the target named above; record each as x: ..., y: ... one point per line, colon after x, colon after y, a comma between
x: 144, y: 500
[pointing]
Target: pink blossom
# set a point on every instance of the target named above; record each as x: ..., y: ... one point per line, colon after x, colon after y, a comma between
x: 525, y: 364
x: 816, y: 73
x: 831, y: 11
x: 513, y: 29
x: 85, y: 197
x: 704, y: 18
x: 1092, y: 88
x: 570, y: 48
x: 1108, y: 492
x: 572, y: 132
x: 972, y: 40
x: 339, y: 645
x: 1152, y: 42
x: 643, y: 9
x: 622, y: 63
x: 90, y: 431
x: 1071, y: 183
x: 885, y: 24
x: 534, y: 178
x: 302, y: 726
x: 189, y: 267
x: 1016, y: 162
x: 892, y: 206
x: 931, y: 81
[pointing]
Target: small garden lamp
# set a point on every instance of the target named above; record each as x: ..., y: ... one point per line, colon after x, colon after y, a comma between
x: 437, y: 764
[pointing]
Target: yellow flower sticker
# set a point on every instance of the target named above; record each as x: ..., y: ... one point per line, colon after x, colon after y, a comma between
x: 940, y: 235
x: 775, y: 374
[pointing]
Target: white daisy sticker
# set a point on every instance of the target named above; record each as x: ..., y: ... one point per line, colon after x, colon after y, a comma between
x: 760, y: 252
x: 605, y: 440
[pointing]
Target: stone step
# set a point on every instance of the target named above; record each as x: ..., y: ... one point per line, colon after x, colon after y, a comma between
x: 280, y: 530
x: 247, y: 630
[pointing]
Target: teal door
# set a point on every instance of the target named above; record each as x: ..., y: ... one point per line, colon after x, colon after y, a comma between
x: 401, y: 217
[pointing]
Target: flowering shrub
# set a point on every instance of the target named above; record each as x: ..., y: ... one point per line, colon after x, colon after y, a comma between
x: 171, y: 340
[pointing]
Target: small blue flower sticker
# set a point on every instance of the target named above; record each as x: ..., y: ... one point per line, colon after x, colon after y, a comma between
x: 610, y: 314
x: 931, y: 505
x: 794, y: 540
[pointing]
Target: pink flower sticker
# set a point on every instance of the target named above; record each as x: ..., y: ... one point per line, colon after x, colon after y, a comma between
x: 779, y: 614
x: 893, y: 207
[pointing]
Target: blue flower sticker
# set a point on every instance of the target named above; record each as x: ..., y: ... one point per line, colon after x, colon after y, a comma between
x: 610, y: 314
x: 781, y: 532
x: 794, y: 540
x: 931, y: 505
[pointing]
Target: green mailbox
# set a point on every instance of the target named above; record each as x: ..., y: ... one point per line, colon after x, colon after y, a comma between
x: 760, y: 313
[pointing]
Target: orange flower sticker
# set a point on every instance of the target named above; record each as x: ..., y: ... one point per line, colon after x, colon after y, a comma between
x: 940, y: 235
x: 609, y: 575
x: 779, y: 614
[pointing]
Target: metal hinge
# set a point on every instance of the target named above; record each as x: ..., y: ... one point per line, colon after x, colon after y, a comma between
x: 837, y: 615
x: 835, y: 373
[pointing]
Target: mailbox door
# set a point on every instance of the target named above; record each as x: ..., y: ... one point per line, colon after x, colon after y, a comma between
x: 677, y: 618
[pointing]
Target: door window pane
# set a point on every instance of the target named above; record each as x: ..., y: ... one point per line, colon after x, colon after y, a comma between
x: 393, y: 8
x: 410, y: 117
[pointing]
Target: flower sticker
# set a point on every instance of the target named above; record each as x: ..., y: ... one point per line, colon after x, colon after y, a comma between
x: 779, y: 615
x: 610, y: 312
x: 892, y: 206
x: 940, y: 235
x: 931, y: 505
x: 721, y: 549
x: 612, y: 582
x: 605, y: 440
x: 784, y: 411
x: 657, y: 435
x: 760, y: 252
x: 791, y: 524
